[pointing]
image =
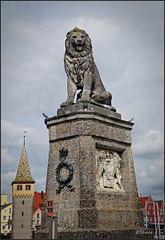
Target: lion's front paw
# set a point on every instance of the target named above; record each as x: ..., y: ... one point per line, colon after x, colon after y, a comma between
x: 79, y: 100
x: 84, y: 99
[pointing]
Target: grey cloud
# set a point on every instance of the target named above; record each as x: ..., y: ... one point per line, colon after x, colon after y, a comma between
x: 151, y: 142
x: 127, y: 40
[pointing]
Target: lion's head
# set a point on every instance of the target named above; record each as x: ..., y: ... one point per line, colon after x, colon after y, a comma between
x: 78, y: 43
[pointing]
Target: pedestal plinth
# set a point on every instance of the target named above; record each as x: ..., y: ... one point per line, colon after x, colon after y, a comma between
x: 90, y: 175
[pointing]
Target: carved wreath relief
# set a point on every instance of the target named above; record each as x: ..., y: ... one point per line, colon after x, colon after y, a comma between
x: 64, y: 181
x: 108, y: 170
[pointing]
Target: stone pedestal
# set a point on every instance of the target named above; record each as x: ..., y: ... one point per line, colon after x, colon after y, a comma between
x: 97, y: 198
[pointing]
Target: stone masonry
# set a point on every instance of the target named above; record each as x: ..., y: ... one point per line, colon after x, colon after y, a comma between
x: 22, y: 226
x: 85, y: 131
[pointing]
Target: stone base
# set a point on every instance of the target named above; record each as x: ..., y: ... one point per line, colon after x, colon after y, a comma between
x: 122, y: 234
x: 79, y: 107
x: 115, y: 234
x: 94, y: 208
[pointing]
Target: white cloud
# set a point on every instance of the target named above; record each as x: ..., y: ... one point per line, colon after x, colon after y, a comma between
x: 6, y: 180
x: 8, y: 177
x: 143, y: 173
x: 6, y: 156
x: 127, y: 41
x: 150, y: 176
x: 151, y: 142
x: 7, y: 159
x: 11, y: 133
x: 156, y: 168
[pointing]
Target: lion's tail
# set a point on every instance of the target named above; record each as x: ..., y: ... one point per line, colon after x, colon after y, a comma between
x: 103, y: 105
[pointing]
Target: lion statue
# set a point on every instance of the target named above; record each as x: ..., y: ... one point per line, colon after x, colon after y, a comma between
x: 82, y: 73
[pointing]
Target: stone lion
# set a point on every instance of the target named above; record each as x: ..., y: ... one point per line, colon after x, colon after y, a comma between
x: 82, y: 73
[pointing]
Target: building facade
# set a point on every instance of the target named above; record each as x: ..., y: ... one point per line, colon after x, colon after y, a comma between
x: 38, y: 202
x: 4, y: 199
x: 22, y: 194
x: 153, y: 211
x: 6, y: 215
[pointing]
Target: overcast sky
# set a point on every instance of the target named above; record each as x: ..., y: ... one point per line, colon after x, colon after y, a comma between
x: 127, y: 40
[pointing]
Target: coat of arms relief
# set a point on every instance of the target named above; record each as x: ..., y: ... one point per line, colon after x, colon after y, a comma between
x: 108, y: 170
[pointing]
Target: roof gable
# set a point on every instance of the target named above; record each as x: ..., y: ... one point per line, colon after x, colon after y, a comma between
x: 6, y: 206
x: 38, y: 210
x: 38, y: 201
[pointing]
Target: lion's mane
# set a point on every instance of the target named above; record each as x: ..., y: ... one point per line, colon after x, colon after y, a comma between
x: 76, y: 63
x: 82, y: 72
x: 70, y: 49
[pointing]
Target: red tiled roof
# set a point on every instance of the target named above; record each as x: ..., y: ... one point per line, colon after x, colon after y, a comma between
x: 5, y: 205
x: 143, y: 201
x: 38, y: 200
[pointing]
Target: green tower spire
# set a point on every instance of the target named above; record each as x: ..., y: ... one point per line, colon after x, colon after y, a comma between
x: 23, y: 172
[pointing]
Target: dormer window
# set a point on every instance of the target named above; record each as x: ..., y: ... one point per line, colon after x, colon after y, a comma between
x: 19, y: 187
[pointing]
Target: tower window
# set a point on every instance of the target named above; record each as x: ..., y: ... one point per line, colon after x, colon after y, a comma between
x: 23, y: 202
x: 28, y: 187
x: 22, y: 213
x: 19, y: 187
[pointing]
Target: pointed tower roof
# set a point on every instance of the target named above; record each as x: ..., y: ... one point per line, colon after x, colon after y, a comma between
x: 23, y: 172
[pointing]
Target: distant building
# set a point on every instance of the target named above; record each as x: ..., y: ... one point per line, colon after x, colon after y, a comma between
x: 4, y: 199
x: 22, y: 193
x: 38, y: 202
x: 6, y: 215
x: 153, y: 211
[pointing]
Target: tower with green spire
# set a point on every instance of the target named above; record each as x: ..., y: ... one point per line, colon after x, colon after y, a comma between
x: 22, y: 194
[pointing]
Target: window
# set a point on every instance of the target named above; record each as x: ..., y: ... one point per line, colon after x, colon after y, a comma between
x: 3, y: 227
x: 149, y: 207
x: 4, y: 217
x: 37, y: 222
x: 19, y: 187
x: 9, y: 217
x: 23, y: 202
x: 9, y: 210
x: 28, y: 187
x: 38, y: 215
x: 34, y: 222
x: 22, y: 213
x: 9, y: 227
x: 148, y: 213
x: 21, y: 225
